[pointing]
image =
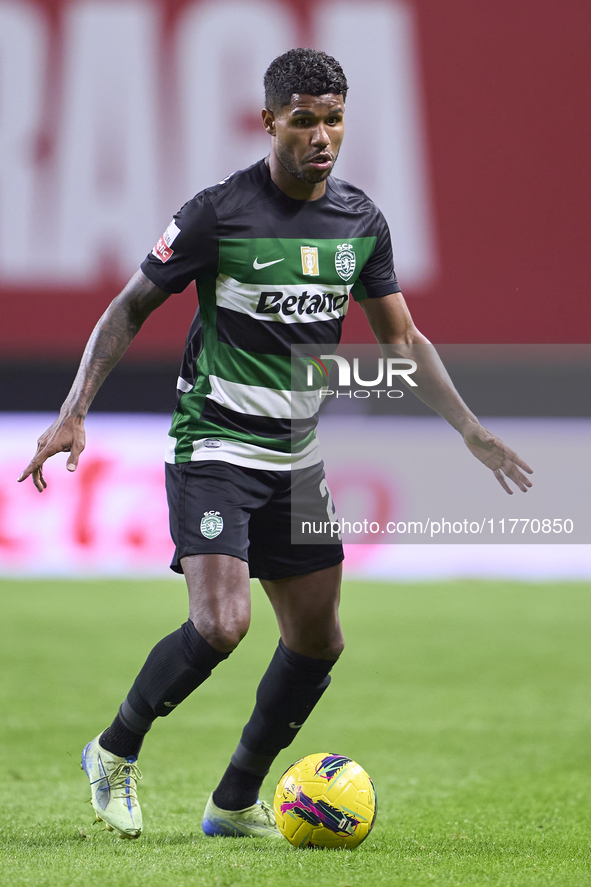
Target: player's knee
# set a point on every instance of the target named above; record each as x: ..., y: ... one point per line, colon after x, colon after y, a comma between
x: 335, y: 649
x: 228, y: 636
x: 224, y: 634
x: 328, y: 648
x: 335, y: 644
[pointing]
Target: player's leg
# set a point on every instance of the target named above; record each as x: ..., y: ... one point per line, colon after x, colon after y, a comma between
x: 219, y: 614
x: 306, y: 608
x: 307, y: 612
x: 211, y: 550
x: 209, y: 525
x: 302, y: 582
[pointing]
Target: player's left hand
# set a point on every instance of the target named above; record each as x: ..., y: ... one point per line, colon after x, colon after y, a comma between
x: 502, y: 461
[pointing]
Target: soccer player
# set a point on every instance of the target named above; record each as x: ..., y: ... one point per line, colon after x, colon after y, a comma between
x: 276, y: 251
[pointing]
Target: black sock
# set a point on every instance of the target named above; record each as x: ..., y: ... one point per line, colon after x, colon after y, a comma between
x: 120, y: 740
x: 176, y: 666
x: 289, y: 690
x: 237, y: 789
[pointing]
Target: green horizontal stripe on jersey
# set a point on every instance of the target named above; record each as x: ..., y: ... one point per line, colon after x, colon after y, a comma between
x: 281, y: 259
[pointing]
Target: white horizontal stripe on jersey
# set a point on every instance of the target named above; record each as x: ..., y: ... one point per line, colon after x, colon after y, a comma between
x: 255, y: 400
x: 170, y: 450
x: 245, y: 297
x: 250, y: 456
x: 183, y: 385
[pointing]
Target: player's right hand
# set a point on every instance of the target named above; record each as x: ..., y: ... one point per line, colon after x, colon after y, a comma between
x: 66, y: 435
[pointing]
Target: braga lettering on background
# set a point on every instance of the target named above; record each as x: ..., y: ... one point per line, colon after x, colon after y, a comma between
x: 124, y: 147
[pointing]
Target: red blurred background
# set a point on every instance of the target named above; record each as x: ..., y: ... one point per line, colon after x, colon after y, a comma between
x: 499, y: 116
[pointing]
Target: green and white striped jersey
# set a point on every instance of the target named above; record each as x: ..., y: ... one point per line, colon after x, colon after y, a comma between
x: 271, y: 272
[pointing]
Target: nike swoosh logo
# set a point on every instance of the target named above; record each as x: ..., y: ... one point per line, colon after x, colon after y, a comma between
x: 171, y: 704
x: 258, y: 265
x: 295, y: 726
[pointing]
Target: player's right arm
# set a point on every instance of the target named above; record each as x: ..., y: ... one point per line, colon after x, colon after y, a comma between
x: 108, y: 343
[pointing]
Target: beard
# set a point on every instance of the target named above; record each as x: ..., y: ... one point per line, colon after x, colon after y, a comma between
x: 309, y: 176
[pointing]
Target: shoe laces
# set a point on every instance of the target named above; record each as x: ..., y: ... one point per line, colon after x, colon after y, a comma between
x: 268, y: 812
x: 123, y: 780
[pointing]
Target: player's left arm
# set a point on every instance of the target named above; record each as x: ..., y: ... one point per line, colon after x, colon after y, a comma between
x: 392, y: 324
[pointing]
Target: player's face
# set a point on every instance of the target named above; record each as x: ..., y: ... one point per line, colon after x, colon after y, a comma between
x: 307, y: 136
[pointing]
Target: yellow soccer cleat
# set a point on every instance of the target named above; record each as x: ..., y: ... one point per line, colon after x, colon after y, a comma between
x: 113, y: 782
x: 257, y: 821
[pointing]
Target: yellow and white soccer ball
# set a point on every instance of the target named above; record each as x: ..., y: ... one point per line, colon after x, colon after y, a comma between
x: 325, y: 800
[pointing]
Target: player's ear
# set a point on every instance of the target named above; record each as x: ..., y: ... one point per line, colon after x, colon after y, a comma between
x: 268, y: 121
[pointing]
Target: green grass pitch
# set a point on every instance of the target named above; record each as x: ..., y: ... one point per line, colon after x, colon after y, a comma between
x: 468, y: 703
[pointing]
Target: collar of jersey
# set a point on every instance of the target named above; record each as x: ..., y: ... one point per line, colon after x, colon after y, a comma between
x: 291, y: 201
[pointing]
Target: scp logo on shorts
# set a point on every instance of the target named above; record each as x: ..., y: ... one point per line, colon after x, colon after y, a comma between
x: 212, y: 524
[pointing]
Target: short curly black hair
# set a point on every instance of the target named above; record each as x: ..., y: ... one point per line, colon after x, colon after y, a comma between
x: 302, y: 71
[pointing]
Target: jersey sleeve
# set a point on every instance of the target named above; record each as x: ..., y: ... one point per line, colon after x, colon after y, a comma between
x: 377, y: 277
x: 187, y: 250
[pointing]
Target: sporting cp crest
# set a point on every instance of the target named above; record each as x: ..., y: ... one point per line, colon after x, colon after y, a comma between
x: 212, y: 524
x: 344, y: 261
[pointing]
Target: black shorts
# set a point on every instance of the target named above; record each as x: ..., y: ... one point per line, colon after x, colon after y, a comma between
x: 220, y: 508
